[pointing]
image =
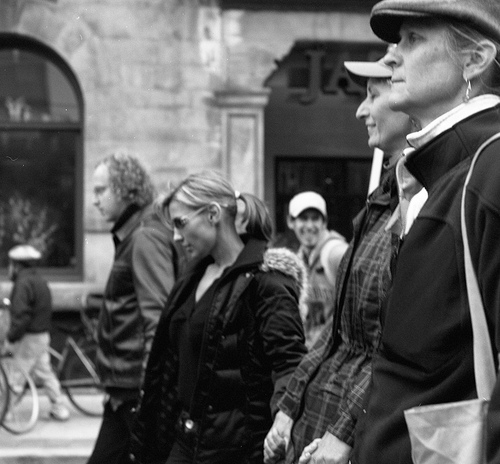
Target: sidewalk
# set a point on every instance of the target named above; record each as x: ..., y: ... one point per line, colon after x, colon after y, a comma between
x: 52, y: 442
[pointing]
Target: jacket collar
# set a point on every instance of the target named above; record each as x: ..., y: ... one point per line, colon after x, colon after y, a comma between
x: 25, y: 271
x: 126, y: 223
x: 250, y: 257
x: 451, y: 118
x: 453, y: 137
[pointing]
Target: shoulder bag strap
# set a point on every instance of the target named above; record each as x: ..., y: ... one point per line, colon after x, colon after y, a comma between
x: 484, y: 366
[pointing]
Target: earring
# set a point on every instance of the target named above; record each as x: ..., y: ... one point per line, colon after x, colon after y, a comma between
x: 467, y: 91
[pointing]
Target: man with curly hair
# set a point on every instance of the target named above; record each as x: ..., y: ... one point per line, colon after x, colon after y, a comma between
x: 143, y: 272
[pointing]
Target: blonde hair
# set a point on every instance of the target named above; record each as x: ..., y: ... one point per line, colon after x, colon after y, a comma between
x: 201, y: 189
x: 256, y: 215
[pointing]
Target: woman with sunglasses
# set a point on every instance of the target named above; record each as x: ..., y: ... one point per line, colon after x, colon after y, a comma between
x: 445, y: 76
x: 228, y: 340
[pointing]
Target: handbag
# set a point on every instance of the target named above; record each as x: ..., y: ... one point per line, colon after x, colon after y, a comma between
x: 455, y: 433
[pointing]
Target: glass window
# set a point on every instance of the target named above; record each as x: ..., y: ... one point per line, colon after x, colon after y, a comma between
x: 40, y: 166
x: 34, y: 90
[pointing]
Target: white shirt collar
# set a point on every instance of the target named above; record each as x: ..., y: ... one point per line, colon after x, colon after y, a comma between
x: 452, y: 117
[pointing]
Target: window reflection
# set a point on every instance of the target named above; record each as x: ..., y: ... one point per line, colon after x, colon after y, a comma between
x: 40, y: 156
x: 37, y: 194
x: 34, y: 90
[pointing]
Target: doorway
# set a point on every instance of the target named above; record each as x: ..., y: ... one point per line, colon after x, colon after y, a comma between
x: 313, y: 140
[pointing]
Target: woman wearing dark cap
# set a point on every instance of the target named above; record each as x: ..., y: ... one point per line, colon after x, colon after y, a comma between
x: 446, y: 78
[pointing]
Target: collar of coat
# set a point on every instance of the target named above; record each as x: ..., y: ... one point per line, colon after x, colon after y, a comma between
x: 255, y: 256
x: 454, y: 144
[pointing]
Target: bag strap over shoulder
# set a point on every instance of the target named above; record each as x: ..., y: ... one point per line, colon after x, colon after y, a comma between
x: 484, y: 366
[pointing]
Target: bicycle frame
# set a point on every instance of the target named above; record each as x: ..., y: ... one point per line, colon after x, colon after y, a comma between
x: 4, y: 393
x: 70, y: 344
x: 78, y: 377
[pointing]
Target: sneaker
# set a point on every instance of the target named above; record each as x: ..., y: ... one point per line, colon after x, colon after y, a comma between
x: 59, y: 412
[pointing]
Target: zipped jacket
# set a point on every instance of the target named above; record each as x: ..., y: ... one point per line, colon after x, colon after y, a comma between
x: 426, y: 354
x: 142, y: 275
x: 252, y: 342
x: 31, y: 305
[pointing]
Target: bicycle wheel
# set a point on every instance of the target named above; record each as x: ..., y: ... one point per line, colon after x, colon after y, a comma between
x: 80, y: 381
x: 4, y: 393
x: 24, y: 407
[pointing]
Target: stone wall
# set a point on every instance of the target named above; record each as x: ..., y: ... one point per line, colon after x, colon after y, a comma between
x: 157, y: 76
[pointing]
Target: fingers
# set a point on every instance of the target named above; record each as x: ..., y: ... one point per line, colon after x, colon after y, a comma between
x: 308, y: 451
x: 274, y: 446
x: 271, y: 448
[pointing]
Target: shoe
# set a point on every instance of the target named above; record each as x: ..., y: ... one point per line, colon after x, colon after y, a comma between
x: 59, y: 412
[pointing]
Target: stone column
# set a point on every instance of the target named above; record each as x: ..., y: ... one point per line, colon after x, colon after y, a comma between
x: 243, y: 138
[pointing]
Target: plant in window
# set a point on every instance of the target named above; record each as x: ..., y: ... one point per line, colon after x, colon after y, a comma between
x: 26, y: 221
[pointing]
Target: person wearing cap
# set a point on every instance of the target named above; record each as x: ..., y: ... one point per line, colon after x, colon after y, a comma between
x: 445, y: 76
x: 146, y: 263
x: 321, y: 250
x: 320, y: 408
x: 29, y: 332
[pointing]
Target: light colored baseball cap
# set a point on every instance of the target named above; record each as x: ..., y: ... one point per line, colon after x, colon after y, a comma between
x: 306, y: 200
x: 361, y: 71
x: 24, y: 253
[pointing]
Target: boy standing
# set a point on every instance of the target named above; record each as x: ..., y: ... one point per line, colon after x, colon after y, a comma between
x: 29, y: 332
x: 321, y: 250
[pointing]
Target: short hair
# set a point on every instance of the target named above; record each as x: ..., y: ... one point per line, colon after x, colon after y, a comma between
x: 257, y: 217
x: 203, y: 188
x: 129, y: 179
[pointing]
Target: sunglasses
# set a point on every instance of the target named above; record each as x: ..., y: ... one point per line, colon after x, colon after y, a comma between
x: 180, y: 222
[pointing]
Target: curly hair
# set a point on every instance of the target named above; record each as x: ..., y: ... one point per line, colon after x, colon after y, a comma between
x: 128, y: 179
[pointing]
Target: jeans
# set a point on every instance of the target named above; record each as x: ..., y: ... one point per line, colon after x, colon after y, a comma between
x: 113, y: 442
x: 31, y: 353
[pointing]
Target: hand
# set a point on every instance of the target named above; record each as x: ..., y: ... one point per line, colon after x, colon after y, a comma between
x: 7, y: 348
x: 331, y: 450
x: 278, y: 438
x: 308, y: 451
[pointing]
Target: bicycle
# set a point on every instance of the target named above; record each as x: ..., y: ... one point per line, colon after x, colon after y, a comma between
x: 74, y: 367
x: 20, y: 402
x: 75, y: 364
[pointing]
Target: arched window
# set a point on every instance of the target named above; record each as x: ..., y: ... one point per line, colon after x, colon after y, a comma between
x: 41, y: 126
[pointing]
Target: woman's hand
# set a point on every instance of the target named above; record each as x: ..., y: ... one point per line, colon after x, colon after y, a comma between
x: 278, y: 438
x: 329, y: 450
x: 307, y: 452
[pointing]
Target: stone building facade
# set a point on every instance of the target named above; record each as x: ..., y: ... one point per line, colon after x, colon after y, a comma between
x: 185, y: 85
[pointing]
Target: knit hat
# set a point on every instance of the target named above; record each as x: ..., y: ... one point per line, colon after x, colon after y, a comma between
x: 482, y: 15
x: 24, y: 253
x: 306, y: 200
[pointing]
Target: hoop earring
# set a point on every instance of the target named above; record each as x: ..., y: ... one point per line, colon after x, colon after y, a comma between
x: 467, y: 91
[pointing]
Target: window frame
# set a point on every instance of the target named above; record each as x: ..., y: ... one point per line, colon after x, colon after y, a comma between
x: 14, y: 41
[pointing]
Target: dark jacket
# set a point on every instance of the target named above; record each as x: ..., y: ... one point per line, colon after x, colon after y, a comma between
x: 252, y: 342
x: 31, y: 305
x: 327, y: 390
x: 426, y: 351
x: 138, y: 286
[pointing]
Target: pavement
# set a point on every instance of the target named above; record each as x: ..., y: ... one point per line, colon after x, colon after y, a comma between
x: 50, y: 441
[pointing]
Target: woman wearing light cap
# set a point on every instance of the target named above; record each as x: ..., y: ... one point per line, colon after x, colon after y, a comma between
x: 445, y: 77
x: 324, y: 397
